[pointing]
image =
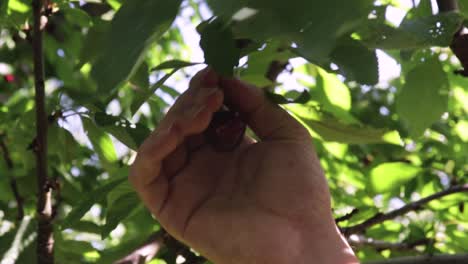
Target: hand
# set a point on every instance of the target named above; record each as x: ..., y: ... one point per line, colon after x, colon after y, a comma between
x: 264, y: 202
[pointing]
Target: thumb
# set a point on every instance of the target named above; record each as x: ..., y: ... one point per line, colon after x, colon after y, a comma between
x: 267, y: 120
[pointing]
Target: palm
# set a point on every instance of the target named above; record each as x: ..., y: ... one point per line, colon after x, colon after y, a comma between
x: 231, y: 190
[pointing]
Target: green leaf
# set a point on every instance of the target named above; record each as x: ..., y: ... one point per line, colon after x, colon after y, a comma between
x: 219, y: 47
x: 135, y: 27
x: 332, y: 20
x: 87, y: 227
x: 303, y: 98
x: 258, y: 80
x: 94, y: 42
x: 62, y: 143
x: 101, y: 142
x: 336, y: 131
x: 390, y: 176
x: 122, y: 202
x: 436, y: 30
x: 463, y: 4
x: 461, y: 129
x: 333, y: 95
x: 132, y: 135
x: 122, y: 189
x: 69, y: 246
x: 424, y: 9
x: 174, y: 64
x: 313, y: 25
x: 124, y: 207
x: 5, y: 188
x: 3, y: 10
x: 115, y: 4
x: 18, y: 6
x: 158, y: 261
x: 142, y: 96
x: 88, y: 201
x: 260, y: 60
x: 356, y: 62
x: 78, y: 17
x: 423, y: 99
x: 334, y: 91
x: 141, y: 77
x: 170, y: 91
x: 327, y: 127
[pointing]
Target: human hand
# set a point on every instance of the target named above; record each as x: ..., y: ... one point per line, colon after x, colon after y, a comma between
x: 263, y: 202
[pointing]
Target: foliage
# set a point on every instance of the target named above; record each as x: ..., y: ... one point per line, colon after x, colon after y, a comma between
x: 114, y: 67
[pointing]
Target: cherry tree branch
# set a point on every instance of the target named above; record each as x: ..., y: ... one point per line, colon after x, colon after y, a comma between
x: 414, y: 206
x: 145, y: 252
x: 45, y: 239
x: 154, y: 244
x: 436, y: 259
x: 347, y: 216
x: 379, y: 245
x: 13, y: 183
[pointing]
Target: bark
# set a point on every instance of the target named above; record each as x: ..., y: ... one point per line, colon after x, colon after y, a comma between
x: 45, y: 240
x: 414, y: 206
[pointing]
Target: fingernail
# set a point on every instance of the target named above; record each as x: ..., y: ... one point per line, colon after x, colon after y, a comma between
x: 195, y: 110
x: 210, y: 79
x: 166, y: 130
x: 205, y: 92
x: 172, y: 128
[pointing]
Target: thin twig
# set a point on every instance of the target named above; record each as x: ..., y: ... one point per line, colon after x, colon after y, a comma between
x: 347, y: 216
x: 414, y: 206
x: 380, y: 245
x: 180, y: 249
x: 13, y: 183
x: 145, y: 252
x: 436, y: 259
x: 45, y: 239
x: 154, y: 244
x: 74, y: 114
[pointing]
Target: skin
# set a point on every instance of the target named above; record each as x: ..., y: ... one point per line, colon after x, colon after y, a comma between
x: 264, y: 202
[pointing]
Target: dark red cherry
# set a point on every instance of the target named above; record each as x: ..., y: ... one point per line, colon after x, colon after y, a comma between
x: 226, y: 131
x: 9, y: 78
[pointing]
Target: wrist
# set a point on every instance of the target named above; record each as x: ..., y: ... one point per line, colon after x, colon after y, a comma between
x: 323, y: 245
x: 328, y: 246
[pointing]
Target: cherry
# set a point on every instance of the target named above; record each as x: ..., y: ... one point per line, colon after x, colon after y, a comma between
x: 9, y: 78
x: 225, y: 131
